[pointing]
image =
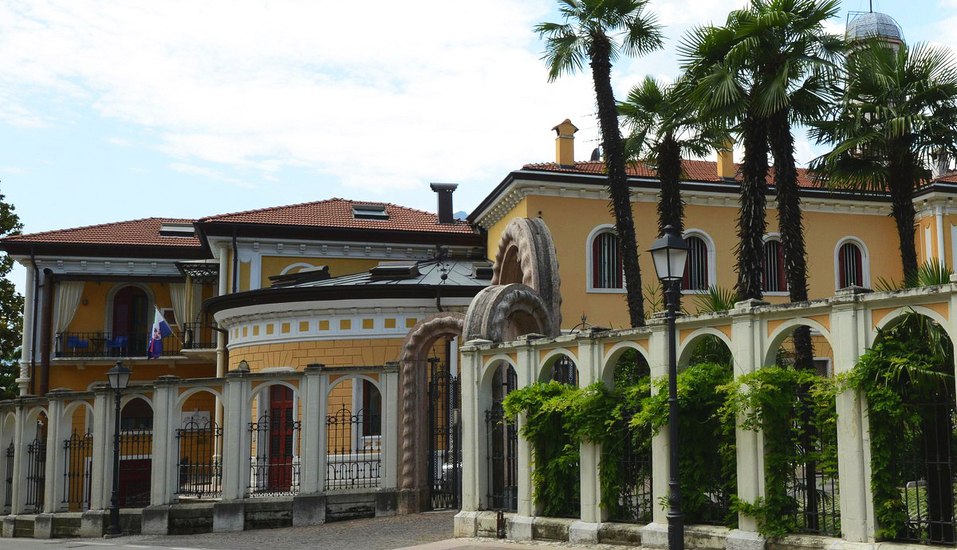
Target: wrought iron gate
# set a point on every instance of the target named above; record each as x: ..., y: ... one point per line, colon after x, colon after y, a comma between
x: 77, y: 470
x: 501, y: 446
x: 36, y: 474
x: 136, y: 466
x: 8, y: 477
x: 445, y: 453
x: 199, y: 470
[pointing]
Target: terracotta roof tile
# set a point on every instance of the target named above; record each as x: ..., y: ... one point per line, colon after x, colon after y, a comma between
x: 142, y: 232
x: 695, y: 170
x: 338, y: 213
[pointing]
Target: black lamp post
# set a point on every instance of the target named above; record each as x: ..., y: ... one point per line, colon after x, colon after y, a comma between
x: 670, y: 252
x: 119, y: 377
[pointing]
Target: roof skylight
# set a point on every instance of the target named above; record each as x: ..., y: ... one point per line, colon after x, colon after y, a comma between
x: 369, y: 212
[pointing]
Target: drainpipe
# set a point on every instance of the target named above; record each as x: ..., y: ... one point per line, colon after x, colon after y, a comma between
x: 46, y: 333
x: 235, y: 263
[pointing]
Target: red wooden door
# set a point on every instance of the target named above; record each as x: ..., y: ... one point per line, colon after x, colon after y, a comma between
x: 281, y: 424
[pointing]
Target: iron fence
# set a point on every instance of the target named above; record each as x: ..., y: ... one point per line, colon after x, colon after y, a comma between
x: 926, y: 470
x: 77, y: 469
x: 136, y: 466
x: 564, y: 371
x: 198, y: 336
x: 36, y: 474
x: 812, y: 484
x: 199, y: 469
x: 354, y: 459
x: 445, y: 453
x: 501, y: 460
x: 635, y: 500
x: 8, y: 480
x: 109, y: 344
x: 274, y: 455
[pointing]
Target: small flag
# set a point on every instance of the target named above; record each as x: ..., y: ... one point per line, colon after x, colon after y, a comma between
x: 160, y: 330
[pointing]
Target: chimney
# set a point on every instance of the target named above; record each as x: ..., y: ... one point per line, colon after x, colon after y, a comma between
x: 444, y: 192
x: 726, y: 169
x: 565, y: 144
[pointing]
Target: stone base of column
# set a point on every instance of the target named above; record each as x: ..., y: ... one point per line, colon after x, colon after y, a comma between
x: 43, y: 526
x: 155, y: 520
x: 93, y: 523
x: 744, y: 540
x: 847, y: 545
x: 9, y: 526
x: 520, y: 528
x: 465, y: 525
x: 228, y: 516
x: 654, y: 535
x: 581, y: 532
x: 386, y: 502
x: 308, y: 510
x: 413, y: 501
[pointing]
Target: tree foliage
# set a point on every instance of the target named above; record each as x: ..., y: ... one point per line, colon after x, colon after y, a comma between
x: 11, y: 308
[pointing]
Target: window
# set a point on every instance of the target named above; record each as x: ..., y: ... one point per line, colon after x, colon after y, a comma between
x: 774, y: 277
x: 136, y: 415
x: 850, y: 263
x: 696, y: 269
x: 606, y: 261
x: 369, y: 212
x: 371, y: 409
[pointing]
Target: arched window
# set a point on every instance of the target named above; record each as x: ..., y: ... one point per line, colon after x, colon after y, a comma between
x: 696, y: 268
x: 774, y: 277
x: 850, y: 265
x: 606, y: 267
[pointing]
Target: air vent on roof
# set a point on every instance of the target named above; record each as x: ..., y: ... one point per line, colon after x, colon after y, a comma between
x: 394, y: 271
x: 307, y: 275
x: 174, y: 229
x: 369, y: 212
x: 482, y: 270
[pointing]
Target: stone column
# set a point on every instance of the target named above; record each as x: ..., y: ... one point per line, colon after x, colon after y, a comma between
x: 102, y: 468
x: 471, y: 463
x: 389, y: 381
x: 849, y: 328
x: 655, y: 534
x: 53, y: 478
x: 18, y: 493
x: 520, y: 527
x: 23, y: 381
x: 585, y: 531
x: 314, y: 414
x: 165, y: 449
x: 236, y: 438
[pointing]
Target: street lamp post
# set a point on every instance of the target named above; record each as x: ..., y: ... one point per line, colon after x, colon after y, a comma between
x: 119, y: 377
x: 670, y: 252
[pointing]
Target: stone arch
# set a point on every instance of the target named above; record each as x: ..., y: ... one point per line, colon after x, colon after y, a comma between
x: 491, y: 365
x: 125, y: 400
x: 896, y: 316
x: 504, y: 312
x: 610, y: 360
x: 691, y: 341
x: 415, y: 347
x: 552, y: 357
x: 526, y: 254
x: 181, y: 400
x: 262, y: 387
x: 781, y: 333
x: 66, y: 417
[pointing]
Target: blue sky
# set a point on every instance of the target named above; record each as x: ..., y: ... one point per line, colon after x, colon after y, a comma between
x: 121, y: 110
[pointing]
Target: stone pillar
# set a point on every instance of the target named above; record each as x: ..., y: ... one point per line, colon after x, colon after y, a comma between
x: 313, y: 422
x: 389, y: 382
x: 585, y: 531
x: 520, y: 528
x: 849, y: 328
x: 100, y: 475
x: 471, y: 454
x: 53, y: 481
x: 236, y: 436
x: 27, y: 342
x: 655, y: 534
x: 20, y: 451
x: 165, y: 452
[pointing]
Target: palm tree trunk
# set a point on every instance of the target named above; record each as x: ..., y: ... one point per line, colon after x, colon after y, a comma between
x: 671, y: 209
x: 751, y: 219
x: 901, y: 183
x: 600, y: 55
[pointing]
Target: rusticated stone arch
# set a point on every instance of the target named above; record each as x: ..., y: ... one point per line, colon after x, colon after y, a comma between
x: 504, y: 312
x: 413, y: 420
x: 526, y: 254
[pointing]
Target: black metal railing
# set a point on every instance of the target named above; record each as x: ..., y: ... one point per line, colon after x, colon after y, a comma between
x: 109, y: 344
x: 502, y: 460
x: 136, y: 467
x: 8, y: 480
x: 812, y: 484
x: 635, y: 500
x: 925, y: 465
x: 445, y: 453
x: 354, y: 459
x: 77, y: 469
x: 274, y: 455
x: 565, y: 371
x: 197, y: 336
x: 199, y: 469
x: 36, y: 474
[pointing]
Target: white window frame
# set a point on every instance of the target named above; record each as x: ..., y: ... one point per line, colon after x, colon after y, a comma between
x: 865, y: 261
x: 589, y: 261
x: 712, y: 258
x: 775, y: 237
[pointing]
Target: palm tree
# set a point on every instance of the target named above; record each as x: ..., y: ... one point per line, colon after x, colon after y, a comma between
x: 599, y: 31
x: 897, y: 112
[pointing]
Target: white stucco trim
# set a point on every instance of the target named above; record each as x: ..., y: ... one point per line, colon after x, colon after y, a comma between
x: 712, y: 257
x: 865, y: 261
x: 589, y: 261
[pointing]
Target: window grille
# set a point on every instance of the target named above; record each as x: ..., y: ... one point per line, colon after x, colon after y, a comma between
x: 850, y: 265
x: 775, y: 278
x: 606, y: 262
x: 696, y: 268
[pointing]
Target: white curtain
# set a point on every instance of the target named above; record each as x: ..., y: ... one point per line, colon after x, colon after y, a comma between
x: 68, y: 296
x: 177, y: 294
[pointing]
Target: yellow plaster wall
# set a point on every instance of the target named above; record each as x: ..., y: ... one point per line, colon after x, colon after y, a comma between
x: 349, y: 353
x: 274, y: 265
x: 92, y: 316
x: 520, y: 210
x: 79, y: 377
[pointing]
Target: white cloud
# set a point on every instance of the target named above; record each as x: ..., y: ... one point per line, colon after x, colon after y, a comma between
x: 207, y: 173
x: 11, y: 170
x: 118, y: 141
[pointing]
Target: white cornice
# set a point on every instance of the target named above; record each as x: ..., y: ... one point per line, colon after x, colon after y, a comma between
x: 332, y: 249
x: 72, y: 265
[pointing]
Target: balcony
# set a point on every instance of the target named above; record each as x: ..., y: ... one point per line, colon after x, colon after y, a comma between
x: 192, y: 339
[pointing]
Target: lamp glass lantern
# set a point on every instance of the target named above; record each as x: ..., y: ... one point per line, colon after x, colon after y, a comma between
x: 670, y: 253
x: 119, y: 376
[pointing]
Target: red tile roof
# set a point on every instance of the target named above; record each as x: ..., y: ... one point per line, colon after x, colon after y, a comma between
x: 143, y: 232
x: 695, y: 170
x: 338, y: 213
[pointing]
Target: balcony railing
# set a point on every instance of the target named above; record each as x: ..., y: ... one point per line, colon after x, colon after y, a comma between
x: 198, y: 336
x: 110, y: 344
